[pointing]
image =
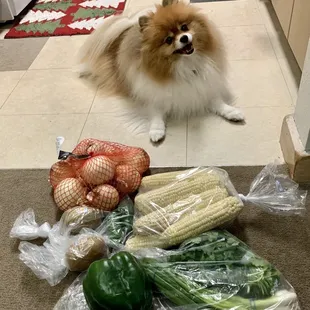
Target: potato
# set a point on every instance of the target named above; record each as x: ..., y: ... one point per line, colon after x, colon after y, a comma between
x: 85, y: 250
x: 79, y: 217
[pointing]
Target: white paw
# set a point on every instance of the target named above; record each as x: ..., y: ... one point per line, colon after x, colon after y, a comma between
x: 82, y: 70
x: 234, y: 115
x: 157, y: 134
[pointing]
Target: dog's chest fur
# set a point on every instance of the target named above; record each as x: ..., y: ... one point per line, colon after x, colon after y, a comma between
x: 196, y: 81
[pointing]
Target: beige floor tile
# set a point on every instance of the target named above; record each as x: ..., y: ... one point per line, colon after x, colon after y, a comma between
x: 19, y: 54
x: 172, y: 152
x: 8, y: 81
x: 232, y: 13
x: 274, y: 29
x: 213, y: 141
x: 30, y: 139
x: 258, y: 83
x: 59, y: 52
x: 49, y: 92
x: 247, y: 42
x: 3, y: 32
x: 292, y: 76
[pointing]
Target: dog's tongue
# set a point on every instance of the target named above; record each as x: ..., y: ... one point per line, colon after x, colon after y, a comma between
x: 187, y: 49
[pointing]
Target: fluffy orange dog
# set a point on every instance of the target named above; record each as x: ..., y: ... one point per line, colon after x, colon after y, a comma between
x: 169, y: 61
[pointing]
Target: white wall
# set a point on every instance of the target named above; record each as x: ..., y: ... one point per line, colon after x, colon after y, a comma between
x: 5, y: 11
x: 302, y: 111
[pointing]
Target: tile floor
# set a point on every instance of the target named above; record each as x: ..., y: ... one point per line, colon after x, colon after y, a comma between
x: 43, y: 99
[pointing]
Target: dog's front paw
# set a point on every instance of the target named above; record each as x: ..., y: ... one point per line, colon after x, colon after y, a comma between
x: 235, y: 115
x: 157, y: 134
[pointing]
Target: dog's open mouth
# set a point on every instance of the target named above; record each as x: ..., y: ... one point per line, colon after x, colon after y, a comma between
x: 187, y: 49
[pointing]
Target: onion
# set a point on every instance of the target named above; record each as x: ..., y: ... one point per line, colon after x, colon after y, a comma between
x: 138, y: 159
x: 127, y: 179
x: 69, y: 193
x: 104, y: 197
x: 60, y: 171
x: 98, y: 170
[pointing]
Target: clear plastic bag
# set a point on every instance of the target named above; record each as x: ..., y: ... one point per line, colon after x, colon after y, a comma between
x: 61, y: 253
x: 216, y: 271
x: 80, y: 217
x: 25, y: 227
x: 172, y: 207
x: 117, y: 225
x: 65, y: 250
x: 275, y: 192
x: 213, y: 271
x: 73, y: 298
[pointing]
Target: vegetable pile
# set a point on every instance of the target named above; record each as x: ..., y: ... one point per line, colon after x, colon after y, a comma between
x: 97, y: 173
x: 161, y: 252
x: 212, y: 271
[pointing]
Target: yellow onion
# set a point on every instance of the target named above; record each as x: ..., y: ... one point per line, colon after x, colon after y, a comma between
x: 137, y: 158
x: 127, y: 179
x: 60, y: 171
x: 98, y: 170
x: 103, y: 197
x: 69, y: 193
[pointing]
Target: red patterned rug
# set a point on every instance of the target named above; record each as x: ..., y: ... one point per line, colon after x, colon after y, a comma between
x: 64, y: 17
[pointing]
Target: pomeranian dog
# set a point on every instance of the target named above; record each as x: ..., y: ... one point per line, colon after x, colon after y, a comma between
x: 169, y: 62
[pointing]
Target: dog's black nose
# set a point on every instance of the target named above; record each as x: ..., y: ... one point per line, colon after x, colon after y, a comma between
x: 184, y: 39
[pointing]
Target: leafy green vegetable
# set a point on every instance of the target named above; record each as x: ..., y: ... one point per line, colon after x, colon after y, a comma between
x: 216, y: 270
x: 117, y: 225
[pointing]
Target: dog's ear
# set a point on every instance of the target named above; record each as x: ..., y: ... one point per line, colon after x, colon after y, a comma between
x: 169, y: 2
x: 143, y: 21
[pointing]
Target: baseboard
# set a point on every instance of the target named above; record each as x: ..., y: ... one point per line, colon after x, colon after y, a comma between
x: 297, y: 159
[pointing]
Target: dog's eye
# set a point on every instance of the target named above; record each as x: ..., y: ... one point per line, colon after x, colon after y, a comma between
x: 184, y: 27
x: 169, y: 40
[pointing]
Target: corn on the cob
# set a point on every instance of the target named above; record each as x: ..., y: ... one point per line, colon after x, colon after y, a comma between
x: 157, y: 221
x: 204, y: 220
x: 162, y: 197
x: 161, y: 179
x: 139, y: 242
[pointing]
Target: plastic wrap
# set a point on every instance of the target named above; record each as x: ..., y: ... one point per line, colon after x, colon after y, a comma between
x: 117, y: 225
x: 216, y: 271
x: 73, y: 245
x: 275, y: 192
x: 61, y: 253
x: 172, y: 207
x: 73, y: 298
x: 80, y: 217
x: 97, y: 173
x: 25, y: 227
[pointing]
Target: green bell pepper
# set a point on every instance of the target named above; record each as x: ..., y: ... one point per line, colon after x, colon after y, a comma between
x: 118, y: 283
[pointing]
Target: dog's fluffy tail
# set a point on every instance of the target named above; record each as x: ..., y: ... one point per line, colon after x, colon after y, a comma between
x: 96, y: 44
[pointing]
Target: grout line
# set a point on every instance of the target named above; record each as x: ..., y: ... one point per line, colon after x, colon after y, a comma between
x: 277, y: 58
x: 88, y: 115
x: 44, y: 114
x: 104, y: 113
x: 42, y: 69
x: 235, y: 26
x: 9, y: 95
x: 291, y: 17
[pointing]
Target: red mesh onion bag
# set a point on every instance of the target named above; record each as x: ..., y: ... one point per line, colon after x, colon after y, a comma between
x: 97, y: 173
